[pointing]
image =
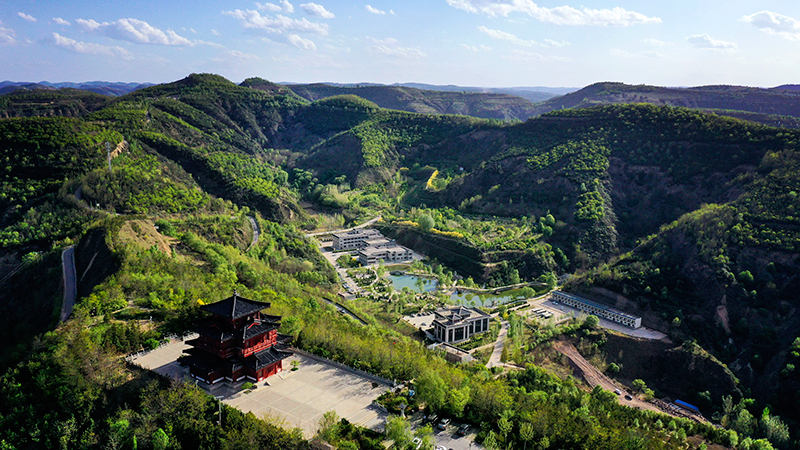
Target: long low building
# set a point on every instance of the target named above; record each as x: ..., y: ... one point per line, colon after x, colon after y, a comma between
x: 597, y: 309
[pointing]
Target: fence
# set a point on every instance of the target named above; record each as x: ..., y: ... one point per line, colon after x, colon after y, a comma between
x: 373, y: 377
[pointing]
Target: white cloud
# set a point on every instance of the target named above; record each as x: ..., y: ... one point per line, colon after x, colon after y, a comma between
x: 552, y: 43
x: 215, y: 32
x: 278, y: 24
x: 774, y: 23
x: 626, y: 54
x: 476, y: 48
x: 236, y: 54
x: 6, y: 35
x: 655, y: 42
x: 375, y: 10
x: 562, y: 15
x: 271, y: 7
x: 313, y: 9
x: 287, y: 7
x: 391, y: 47
x: 133, y: 30
x: 305, y: 44
x: 705, y: 41
x: 27, y: 17
x: 88, y: 47
x: 503, y: 36
x: 525, y: 56
x: 60, y: 21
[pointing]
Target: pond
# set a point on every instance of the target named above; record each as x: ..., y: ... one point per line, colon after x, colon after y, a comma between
x: 410, y: 281
x: 472, y: 299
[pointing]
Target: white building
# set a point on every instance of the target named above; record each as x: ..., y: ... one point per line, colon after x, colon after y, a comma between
x: 597, y: 309
x: 453, y: 325
x: 388, y: 252
x: 354, y: 239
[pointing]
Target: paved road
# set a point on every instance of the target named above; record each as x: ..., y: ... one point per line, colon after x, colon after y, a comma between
x: 494, y: 360
x: 256, y: 231
x: 70, y: 282
x: 365, y: 224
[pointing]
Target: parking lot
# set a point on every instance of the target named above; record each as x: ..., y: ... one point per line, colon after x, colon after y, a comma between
x: 299, y: 397
x: 449, y: 438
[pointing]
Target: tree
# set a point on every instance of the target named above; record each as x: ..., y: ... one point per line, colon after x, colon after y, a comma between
x: 160, y: 440
x: 639, y: 385
x: 329, y: 426
x: 426, y: 222
x: 399, y: 430
x: 526, y: 433
x: 591, y: 321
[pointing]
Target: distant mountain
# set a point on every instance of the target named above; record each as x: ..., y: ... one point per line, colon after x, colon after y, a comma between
x: 532, y: 93
x: 762, y: 105
x: 113, y: 89
x: 475, y: 104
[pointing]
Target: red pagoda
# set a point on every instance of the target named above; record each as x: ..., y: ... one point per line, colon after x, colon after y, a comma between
x: 237, y: 342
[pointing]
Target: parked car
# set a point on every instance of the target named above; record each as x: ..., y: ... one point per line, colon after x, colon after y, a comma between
x: 617, y: 391
x: 416, y: 443
x: 628, y: 397
x: 443, y: 423
x: 463, y: 430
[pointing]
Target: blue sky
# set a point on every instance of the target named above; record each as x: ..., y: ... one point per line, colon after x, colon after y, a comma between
x: 497, y: 43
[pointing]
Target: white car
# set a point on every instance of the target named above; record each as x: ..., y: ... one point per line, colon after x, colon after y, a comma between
x: 416, y: 443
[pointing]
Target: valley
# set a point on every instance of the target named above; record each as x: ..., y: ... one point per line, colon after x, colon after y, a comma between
x: 663, y: 203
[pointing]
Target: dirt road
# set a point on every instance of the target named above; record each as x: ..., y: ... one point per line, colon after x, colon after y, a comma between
x: 594, y: 377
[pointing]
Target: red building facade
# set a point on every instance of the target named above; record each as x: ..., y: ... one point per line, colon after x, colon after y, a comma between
x: 237, y: 342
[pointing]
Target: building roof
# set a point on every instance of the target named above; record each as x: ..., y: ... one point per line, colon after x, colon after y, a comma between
x: 208, y: 363
x: 234, y: 307
x: 597, y: 305
x: 358, y: 232
x: 256, y: 328
x: 458, y: 314
x: 265, y: 358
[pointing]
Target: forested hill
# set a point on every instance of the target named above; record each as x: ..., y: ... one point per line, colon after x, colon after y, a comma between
x: 686, y: 218
x: 778, y: 106
x: 477, y: 104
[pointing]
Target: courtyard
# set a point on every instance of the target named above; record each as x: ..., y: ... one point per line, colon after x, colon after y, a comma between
x: 299, y: 397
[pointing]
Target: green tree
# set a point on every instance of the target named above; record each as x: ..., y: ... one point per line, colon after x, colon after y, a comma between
x: 526, y: 433
x: 328, y: 427
x: 426, y: 222
x: 160, y: 440
x: 591, y: 322
x: 398, y: 430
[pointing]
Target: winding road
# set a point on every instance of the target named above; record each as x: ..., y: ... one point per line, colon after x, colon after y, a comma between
x: 256, y: 232
x: 70, y: 282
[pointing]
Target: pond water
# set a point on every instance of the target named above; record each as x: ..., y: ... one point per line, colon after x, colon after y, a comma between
x: 464, y: 298
x: 473, y: 299
x: 410, y: 281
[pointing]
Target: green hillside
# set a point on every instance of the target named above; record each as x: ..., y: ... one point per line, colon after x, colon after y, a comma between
x: 683, y: 217
x: 402, y: 98
x: 777, y: 107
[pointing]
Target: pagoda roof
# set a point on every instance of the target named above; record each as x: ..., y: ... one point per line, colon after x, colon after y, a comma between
x: 251, y: 330
x: 265, y: 358
x: 234, y: 307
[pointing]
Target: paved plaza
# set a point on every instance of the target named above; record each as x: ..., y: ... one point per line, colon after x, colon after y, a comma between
x: 300, y: 397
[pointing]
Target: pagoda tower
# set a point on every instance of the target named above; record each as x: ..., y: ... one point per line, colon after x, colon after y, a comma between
x: 236, y: 342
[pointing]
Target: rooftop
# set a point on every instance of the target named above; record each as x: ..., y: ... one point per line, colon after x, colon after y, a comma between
x: 598, y: 305
x: 235, y: 307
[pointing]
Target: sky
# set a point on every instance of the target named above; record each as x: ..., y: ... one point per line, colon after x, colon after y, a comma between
x: 491, y: 43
